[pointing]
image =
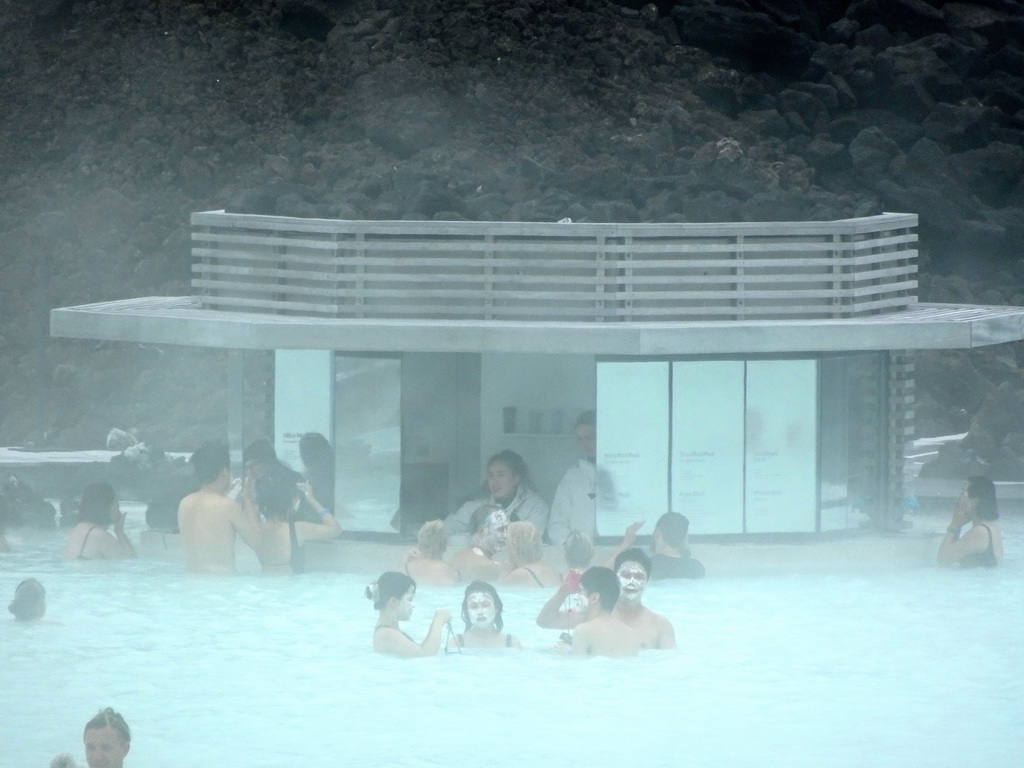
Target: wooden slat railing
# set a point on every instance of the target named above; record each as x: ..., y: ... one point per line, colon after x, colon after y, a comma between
x: 570, y: 272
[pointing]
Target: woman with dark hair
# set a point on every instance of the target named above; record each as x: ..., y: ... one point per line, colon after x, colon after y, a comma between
x: 282, y: 537
x: 90, y: 539
x: 481, y: 611
x: 392, y: 595
x: 318, y: 465
x: 507, y: 486
x: 982, y: 545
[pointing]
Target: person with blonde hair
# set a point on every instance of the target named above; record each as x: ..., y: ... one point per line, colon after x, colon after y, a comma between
x: 525, y: 567
x: 424, y: 563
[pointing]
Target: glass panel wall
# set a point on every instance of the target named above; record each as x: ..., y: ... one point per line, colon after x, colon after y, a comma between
x: 367, y: 441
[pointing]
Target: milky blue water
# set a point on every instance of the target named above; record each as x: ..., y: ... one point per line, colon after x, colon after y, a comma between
x: 913, y: 669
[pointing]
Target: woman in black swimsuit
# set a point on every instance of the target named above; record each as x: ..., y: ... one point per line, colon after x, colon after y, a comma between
x: 526, y: 568
x: 481, y: 610
x: 277, y: 498
x: 90, y: 539
x: 393, y: 594
x: 982, y: 545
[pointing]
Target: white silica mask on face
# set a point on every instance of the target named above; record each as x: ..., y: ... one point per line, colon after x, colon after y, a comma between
x: 480, y: 608
x: 632, y: 581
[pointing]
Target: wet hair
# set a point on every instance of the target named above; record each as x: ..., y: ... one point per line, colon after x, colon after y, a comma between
x: 479, y: 517
x: 604, y: 582
x: 276, y: 493
x: 673, y: 527
x: 432, y: 539
x: 513, y: 461
x: 209, y: 460
x: 95, y: 505
x: 486, y: 588
x: 982, y: 490
x: 260, y: 450
x: 315, y: 451
x: 579, y: 550
x: 29, y: 601
x: 390, y: 584
x: 524, y: 541
x: 109, y: 717
x: 587, y: 418
x: 634, y: 555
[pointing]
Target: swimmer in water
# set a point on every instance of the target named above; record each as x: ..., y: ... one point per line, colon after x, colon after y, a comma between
x: 393, y: 594
x: 982, y: 545
x: 282, y: 536
x: 490, y: 529
x: 29, y: 602
x: 90, y: 539
x: 603, y: 633
x: 107, y: 740
x: 481, y: 611
x: 423, y: 564
x: 525, y: 566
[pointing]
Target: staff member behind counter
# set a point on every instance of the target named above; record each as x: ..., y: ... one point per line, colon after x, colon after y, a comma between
x: 507, y: 486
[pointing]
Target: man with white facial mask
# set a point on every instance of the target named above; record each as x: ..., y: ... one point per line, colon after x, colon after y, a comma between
x: 490, y: 527
x: 633, y: 569
x: 481, y: 611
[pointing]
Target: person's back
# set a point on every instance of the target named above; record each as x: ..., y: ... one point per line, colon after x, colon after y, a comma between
x: 207, y: 533
x: 208, y: 519
x: 603, y: 633
x: 436, y: 573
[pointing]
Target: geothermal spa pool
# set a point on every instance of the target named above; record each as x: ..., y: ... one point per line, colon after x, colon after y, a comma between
x: 911, y: 669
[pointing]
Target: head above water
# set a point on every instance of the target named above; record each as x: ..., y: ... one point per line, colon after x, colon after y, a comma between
x: 633, y: 555
x: 982, y: 491
x: 474, y: 590
x: 579, y: 550
x: 29, y: 601
x: 389, y: 585
x: 489, y: 525
x: 315, y: 450
x: 432, y: 540
x: 209, y: 461
x: 604, y: 583
x: 277, y: 495
x: 673, y: 529
x: 523, y: 543
x: 97, y: 504
x: 107, y: 739
x: 259, y: 454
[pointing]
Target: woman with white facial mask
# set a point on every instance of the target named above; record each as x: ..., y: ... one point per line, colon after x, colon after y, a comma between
x: 481, y: 611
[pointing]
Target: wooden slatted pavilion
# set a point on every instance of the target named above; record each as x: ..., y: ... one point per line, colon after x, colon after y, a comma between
x: 609, y: 291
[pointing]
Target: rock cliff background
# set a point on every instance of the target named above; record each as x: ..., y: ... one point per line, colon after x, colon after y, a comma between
x: 121, y: 117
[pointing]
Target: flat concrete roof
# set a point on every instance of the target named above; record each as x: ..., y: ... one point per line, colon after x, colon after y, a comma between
x: 181, y: 320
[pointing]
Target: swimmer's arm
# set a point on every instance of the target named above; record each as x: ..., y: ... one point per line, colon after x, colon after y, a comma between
x: 581, y: 642
x: 327, y: 528
x: 119, y: 548
x: 394, y: 642
x: 667, y: 635
x: 628, y: 540
x: 552, y: 616
x: 246, y: 523
x: 953, y: 549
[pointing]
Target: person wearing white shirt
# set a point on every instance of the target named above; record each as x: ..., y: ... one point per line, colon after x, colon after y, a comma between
x: 574, y: 507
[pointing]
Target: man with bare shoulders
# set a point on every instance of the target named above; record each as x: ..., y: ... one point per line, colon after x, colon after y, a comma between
x: 633, y: 569
x: 602, y: 634
x: 489, y: 524
x: 209, y: 519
